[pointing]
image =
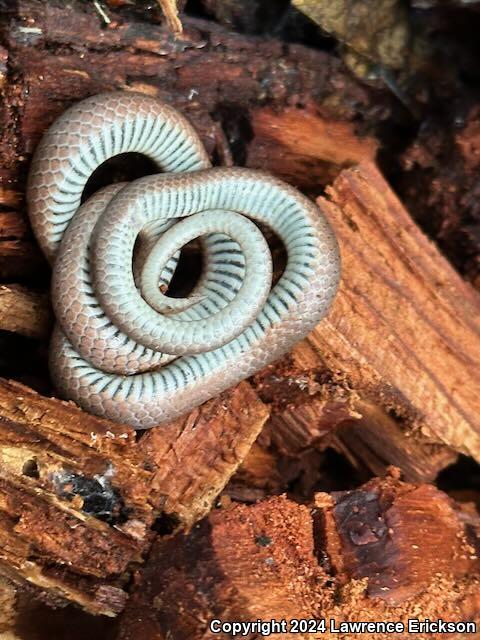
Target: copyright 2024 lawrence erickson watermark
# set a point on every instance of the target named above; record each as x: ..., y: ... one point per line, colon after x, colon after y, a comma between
x: 265, y: 628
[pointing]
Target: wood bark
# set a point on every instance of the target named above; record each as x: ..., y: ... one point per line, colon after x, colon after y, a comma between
x: 388, y: 377
x: 399, y: 349
x: 80, y: 498
x: 7, y: 605
x: 386, y: 551
x: 54, y: 55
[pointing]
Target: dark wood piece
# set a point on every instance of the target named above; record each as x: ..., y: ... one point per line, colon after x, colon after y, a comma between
x: 7, y: 605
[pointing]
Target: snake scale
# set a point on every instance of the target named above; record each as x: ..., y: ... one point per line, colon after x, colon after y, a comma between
x: 124, y: 349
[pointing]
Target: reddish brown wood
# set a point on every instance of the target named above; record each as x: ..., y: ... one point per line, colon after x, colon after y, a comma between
x: 79, y: 496
x: 359, y: 555
x: 389, y: 377
x: 314, y: 147
x: 196, y: 455
x: 405, y: 326
x: 398, y: 536
x: 397, y: 360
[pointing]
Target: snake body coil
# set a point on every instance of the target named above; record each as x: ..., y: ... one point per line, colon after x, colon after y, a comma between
x: 122, y: 348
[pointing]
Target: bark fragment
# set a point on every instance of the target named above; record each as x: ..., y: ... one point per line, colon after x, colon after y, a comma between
x: 80, y: 499
x: 359, y: 555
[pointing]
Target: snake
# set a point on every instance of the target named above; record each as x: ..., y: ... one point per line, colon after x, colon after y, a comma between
x: 122, y: 348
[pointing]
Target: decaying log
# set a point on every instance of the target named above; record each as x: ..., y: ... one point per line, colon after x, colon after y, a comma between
x: 405, y: 328
x: 397, y: 356
x: 387, y: 551
x: 396, y: 536
x: 397, y: 360
x: 305, y: 149
x: 62, y: 54
x: 377, y: 440
x: 196, y: 455
x: 80, y: 498
x: 55, y: 55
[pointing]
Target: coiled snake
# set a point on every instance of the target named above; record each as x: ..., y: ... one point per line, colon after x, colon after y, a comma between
x: 122, y: 348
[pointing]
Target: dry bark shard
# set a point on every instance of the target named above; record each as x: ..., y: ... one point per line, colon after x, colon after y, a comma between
x: 404, y: 327
x: 398, y: 354
x: 79, y: 496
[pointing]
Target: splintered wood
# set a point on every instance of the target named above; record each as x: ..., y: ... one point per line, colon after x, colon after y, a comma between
x: 405, y: 328
x: 389, y: 377
x: 363, y: 555
x: 80, y: 498
x: 399, y: 350
x: 314, y: 149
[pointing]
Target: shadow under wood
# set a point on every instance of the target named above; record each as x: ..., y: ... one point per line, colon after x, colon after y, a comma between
x: 37, y: 621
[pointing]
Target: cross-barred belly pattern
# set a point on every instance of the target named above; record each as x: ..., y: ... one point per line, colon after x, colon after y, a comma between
x: 122, y: 347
